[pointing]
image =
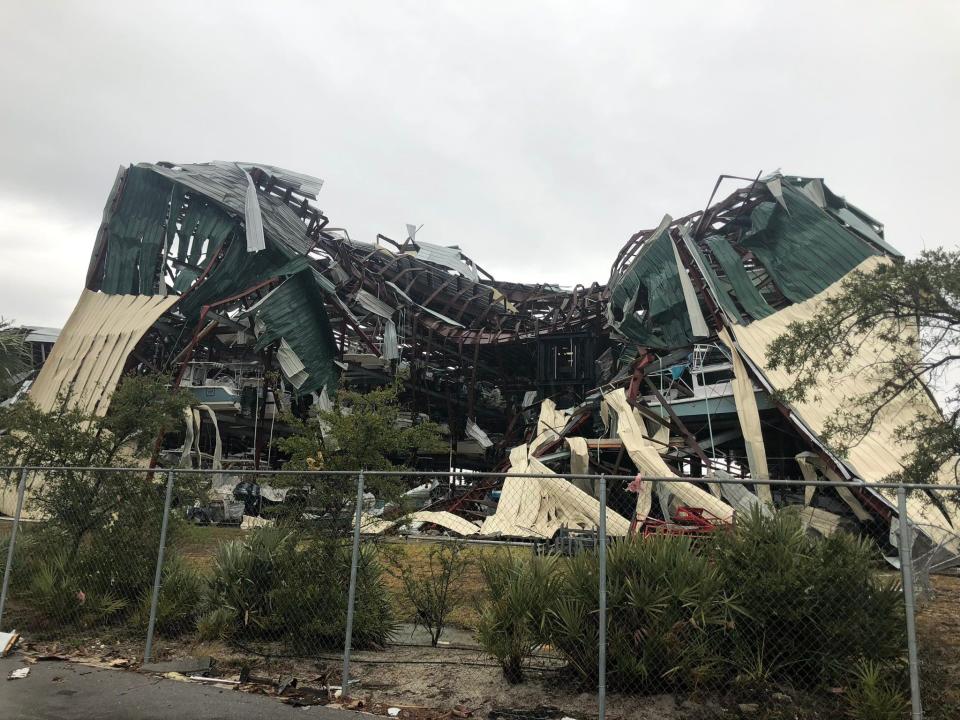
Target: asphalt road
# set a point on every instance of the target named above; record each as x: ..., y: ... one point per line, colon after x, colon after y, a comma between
x: 68, y: 691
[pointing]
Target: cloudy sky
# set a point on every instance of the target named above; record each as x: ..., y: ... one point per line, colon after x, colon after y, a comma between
x: 536, y: 135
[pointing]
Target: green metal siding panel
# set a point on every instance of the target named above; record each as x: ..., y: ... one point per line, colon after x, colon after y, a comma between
x: 652, y: 283
x: 295, y: 312
x: 743, y: 288
x: 805, y: 250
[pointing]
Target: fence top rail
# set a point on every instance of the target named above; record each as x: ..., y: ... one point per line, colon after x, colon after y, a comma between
x: 779, y: 482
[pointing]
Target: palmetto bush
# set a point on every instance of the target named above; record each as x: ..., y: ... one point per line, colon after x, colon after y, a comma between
x: 815, y: 606
x: 521, y: 591
x: 178, y: 603
x: 669, y: 611
x: 762, y: 603
x: 281, y: 585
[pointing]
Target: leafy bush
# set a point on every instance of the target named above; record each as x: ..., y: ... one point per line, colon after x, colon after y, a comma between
x: 520, y: 594
x: 874, y: 694
x: 57, y: 596
x: 668, y: 613
x: 434, y: 591
x: 815, y: 606
x: 280, y: 585
x: 181, y: 590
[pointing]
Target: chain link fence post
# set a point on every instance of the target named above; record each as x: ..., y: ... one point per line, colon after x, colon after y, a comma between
x: 7, y: 569
x: 148, y: 651
x: 602, y: 646
x: 905, y: 540
x: 352, y: 592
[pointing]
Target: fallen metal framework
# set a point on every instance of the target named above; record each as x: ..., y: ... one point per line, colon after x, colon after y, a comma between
x: 227, y: 276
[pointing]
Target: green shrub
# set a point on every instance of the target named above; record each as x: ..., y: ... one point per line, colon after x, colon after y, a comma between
x: 814, y: 606
x: 181, y: 591
x: 668, y: 611
x: 217, y: 624
x: 520, y: 594
x: 874, y: 694
x: 58, y: 596
x: 245, y: 574
x: 433, y: 591
x: 280, y: 585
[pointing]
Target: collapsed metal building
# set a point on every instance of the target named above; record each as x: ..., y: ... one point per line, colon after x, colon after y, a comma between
x: 228, y: 277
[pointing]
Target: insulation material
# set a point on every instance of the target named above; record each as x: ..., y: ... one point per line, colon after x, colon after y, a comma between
x: 876, y: 456
x: 649, y: 463
x: 549, y: 425
x: 749, y: 416
x: 580, y: 464
x: 539, y: 507
x: 88, y: 359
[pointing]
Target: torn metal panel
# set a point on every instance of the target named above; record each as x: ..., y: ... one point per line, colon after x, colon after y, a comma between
x: 88, y: 359
x: 253, y: 218
x: 649, y: 462
x: 749, y: 416
x: 877, y: 455
x: 539, y: 507
x: 473, y: 430
x: 295, y: 313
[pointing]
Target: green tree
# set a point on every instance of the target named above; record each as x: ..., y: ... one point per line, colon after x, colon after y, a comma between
x: 14, y: 357
x: 363, y: 431
x: 911, y: 305
x: 79, y: 502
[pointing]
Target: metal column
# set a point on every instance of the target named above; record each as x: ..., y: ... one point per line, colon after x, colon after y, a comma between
x: 352, y: 592
x: 148, y: 651
x: 21, y: 487
x: 906, y: 569
x: 602, y: 648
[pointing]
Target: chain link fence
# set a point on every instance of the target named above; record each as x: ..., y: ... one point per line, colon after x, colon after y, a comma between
x: 523, y: 596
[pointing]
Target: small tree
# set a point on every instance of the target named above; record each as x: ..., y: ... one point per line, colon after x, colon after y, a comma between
x: 362, y: 432
x: 78, y: 502
x: 914, y: 306
x: 433, y: 591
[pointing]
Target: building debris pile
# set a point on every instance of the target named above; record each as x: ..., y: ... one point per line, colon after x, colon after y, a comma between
x: 228, y: 277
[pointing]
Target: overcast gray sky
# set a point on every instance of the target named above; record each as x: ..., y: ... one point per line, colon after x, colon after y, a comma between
x: 536, y: 135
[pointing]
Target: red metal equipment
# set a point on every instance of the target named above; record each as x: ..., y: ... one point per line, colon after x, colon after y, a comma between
x: 690, y: 521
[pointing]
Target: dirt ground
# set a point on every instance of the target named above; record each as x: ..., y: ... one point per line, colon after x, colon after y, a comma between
x: 938, y: 638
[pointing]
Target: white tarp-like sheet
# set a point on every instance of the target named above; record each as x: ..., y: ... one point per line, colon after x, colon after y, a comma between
x: 538, y: 507
x: 878, y: 455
